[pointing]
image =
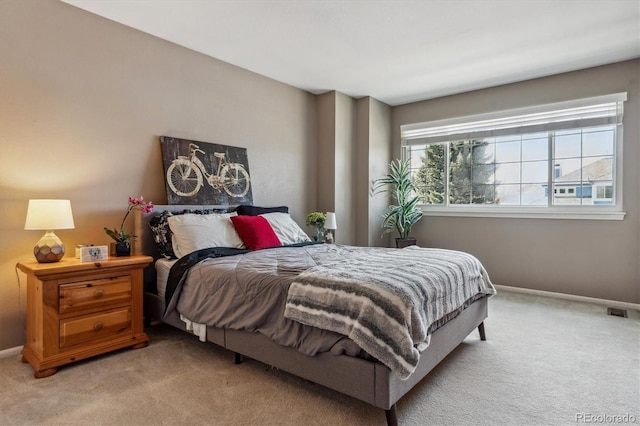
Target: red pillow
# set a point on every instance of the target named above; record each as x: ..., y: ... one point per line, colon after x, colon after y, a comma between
x: 255, y: 232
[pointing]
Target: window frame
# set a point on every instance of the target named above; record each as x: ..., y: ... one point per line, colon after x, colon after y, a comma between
x: 411, y: 136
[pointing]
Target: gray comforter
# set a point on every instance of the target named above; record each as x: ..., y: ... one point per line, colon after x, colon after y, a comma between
x: 249, y: 292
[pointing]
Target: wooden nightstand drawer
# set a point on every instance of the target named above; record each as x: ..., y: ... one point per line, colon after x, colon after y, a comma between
x: 94, y: 294
x: 84, y: 329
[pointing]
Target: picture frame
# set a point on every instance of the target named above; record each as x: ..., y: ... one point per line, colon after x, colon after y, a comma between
x: 94, y: 253
x: 199, y: 173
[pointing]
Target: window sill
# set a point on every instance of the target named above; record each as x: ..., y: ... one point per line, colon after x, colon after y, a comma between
x: 524, y: 213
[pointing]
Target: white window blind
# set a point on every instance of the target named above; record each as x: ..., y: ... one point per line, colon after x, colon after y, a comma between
x: 583, y: 113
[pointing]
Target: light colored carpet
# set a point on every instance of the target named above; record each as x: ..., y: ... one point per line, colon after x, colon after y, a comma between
x: 546, y: 362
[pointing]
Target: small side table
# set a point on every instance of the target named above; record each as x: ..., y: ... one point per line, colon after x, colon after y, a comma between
x: 76, y: 310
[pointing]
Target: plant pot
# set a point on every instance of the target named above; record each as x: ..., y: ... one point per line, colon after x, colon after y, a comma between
x: 405, y: 242
x: 123, y: 249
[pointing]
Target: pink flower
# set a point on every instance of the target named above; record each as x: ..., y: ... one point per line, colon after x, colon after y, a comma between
x: 148, y: 208
x: 134, y: 203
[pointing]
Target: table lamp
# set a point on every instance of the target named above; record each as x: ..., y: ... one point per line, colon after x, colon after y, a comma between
x: 330, y: 225
x: 49, y: 215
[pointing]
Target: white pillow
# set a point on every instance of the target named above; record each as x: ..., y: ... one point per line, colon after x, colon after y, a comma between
x: 286, y: 229
x: 193, y: 232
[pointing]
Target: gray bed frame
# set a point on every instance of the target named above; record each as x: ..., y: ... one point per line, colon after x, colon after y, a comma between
x: 371, y: 382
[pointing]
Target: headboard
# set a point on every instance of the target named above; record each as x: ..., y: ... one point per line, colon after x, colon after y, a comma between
x: 144, y: 240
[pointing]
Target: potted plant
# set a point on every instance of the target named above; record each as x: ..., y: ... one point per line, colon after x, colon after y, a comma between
x: 405, y: 213
x: 316, y: 220
x: 121, y: 238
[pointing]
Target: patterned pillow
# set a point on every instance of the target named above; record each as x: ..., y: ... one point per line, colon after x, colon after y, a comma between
x: 162, y: 232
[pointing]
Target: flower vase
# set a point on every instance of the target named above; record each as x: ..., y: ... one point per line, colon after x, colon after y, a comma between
x: 123, y: 249
x: 319, y: 234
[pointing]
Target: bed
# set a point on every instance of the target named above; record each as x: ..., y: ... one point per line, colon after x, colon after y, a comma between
x: 343, y: 355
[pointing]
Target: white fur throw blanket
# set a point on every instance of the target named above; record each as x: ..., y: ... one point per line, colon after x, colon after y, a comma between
x: 386, y: 301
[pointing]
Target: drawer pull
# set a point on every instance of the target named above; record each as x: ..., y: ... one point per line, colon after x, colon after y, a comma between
x: 98, y: 326
x: 98, y: 294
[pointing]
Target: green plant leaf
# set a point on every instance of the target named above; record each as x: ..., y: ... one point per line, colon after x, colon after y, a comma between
x: 399, y: 183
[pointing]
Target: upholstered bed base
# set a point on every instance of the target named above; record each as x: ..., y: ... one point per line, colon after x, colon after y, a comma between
x: 371, y: 382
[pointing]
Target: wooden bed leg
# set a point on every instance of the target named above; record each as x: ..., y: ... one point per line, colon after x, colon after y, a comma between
x: 238, y: 358
x: 483, y: 336
x: 392, y: 416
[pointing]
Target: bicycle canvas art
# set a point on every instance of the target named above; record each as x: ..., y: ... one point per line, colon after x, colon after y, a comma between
x: 205, y: 173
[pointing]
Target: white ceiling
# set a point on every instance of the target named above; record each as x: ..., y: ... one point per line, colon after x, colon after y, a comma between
x: 397, y: 51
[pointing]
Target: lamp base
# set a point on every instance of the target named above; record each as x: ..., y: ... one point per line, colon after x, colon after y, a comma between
x: 329, y: 238
x: 49, y: 249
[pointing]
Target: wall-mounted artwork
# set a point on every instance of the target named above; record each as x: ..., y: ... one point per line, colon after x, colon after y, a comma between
x: 205, y: 173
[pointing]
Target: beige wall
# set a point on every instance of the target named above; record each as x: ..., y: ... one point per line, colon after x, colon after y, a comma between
x: 82, y: 103
x: 354, y: 147
x: 326, y: 154
x: 336, y: 161
x: 373, y: 153
x: 581, y: 257
x: 345, y: 166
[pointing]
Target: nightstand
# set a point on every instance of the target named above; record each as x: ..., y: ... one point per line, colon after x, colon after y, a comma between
x: 76, y: 310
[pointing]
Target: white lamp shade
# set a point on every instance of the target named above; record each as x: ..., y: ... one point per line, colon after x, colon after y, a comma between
x: 49, y: 215
x: 330, y: 221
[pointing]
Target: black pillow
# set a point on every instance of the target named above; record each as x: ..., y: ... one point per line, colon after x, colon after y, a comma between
x: 162, y: 232
x: 245, y: 210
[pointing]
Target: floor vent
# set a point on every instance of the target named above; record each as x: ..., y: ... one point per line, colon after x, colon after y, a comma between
x: 617, y: 312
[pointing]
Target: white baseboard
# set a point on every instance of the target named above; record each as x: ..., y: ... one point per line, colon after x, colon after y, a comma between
x: 6, y: 353
x: 572, y: 297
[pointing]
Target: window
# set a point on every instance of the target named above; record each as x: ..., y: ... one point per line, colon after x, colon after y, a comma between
x: 560, y: 160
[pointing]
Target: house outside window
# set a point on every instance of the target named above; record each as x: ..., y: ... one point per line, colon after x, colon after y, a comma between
x: 504, y: 164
